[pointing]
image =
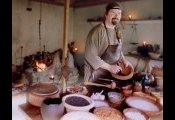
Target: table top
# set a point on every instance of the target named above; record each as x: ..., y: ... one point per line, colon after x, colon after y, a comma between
x: 33, y: 113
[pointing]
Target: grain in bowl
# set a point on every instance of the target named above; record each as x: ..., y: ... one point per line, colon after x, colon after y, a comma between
x: 108, y: 113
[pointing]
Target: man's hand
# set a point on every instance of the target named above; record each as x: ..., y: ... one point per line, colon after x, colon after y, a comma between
x: 115, y: 69
x: 127, y: 63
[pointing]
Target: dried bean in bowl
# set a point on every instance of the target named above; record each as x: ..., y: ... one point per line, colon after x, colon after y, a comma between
x: 76, y: 101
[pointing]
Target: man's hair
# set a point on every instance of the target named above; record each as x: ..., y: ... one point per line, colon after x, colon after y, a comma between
x: 112, y: 5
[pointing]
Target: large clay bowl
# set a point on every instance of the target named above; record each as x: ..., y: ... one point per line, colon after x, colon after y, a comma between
x: 125, y: 74
x: 39, y: 92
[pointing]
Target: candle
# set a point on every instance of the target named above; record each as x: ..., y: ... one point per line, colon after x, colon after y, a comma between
x: 75, y: 49
x: 144, y: 43
x: 130, y: 17
x: 52, y: 77
x: 40, y: 66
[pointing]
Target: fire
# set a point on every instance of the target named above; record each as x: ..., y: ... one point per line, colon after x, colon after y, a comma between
x: 40, y: 66
x: 52, y: 77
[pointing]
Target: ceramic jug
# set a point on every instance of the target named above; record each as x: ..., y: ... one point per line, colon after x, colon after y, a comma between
x: 52, y: 109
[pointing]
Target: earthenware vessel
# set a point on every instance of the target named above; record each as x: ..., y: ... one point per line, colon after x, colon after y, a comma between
x: 52, y: 109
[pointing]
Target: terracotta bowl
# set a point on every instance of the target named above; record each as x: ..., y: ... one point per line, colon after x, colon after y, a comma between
x: 115, y: 99
x: 77, y: 89
x: 39, y: 92
x: 125, y: 74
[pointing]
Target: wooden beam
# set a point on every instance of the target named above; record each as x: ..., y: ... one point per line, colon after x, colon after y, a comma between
x: 65, y: 32
x: 80, y: 3
x: 86, y: 3
x: 53, y: 2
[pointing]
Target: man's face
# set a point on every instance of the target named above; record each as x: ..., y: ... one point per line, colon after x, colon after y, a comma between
x: 114, y: 15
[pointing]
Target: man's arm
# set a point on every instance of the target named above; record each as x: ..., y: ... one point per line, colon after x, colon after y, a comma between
x: 123, y: 59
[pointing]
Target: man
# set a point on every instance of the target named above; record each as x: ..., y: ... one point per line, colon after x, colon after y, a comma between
x: 104, y: 47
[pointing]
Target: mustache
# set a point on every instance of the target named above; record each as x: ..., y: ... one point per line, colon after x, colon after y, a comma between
x: 115, y: 18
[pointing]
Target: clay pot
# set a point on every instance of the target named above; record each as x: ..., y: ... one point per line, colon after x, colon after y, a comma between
x: 52, y: 109
x: 115, y: 99
x: 159, y: 82
x: 147, y: 89
x: 41, y: 91
x: 137, y: 87
x: 127, y: 90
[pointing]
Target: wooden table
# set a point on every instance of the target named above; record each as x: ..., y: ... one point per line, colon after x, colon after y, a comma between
x: 30, y: 112
x: 33, y: 113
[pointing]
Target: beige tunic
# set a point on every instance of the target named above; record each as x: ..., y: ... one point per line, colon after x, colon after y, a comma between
x: 96, y: 44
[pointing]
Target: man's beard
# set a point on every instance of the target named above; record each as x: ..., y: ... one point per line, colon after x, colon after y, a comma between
x: 115, y: 21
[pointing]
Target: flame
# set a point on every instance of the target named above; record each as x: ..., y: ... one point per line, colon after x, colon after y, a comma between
x: 52, y: 77
x: 130, y: 17
x: 75, y: 49
x: 40, y: 66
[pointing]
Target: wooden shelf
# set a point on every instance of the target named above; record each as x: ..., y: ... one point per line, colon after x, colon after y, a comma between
x: 136, y: 20
x: 130, y: 22
x: 143, y: 21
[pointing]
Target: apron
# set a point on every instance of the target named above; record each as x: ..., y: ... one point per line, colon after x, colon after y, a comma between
x: 112, y: 55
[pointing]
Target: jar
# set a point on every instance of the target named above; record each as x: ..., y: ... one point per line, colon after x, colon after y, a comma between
x: 145, y: 79
x: 127, y: 90
x: 52, y: 109
x: 137, y: 87
x: 147, y: 89
x: 159, y: 82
